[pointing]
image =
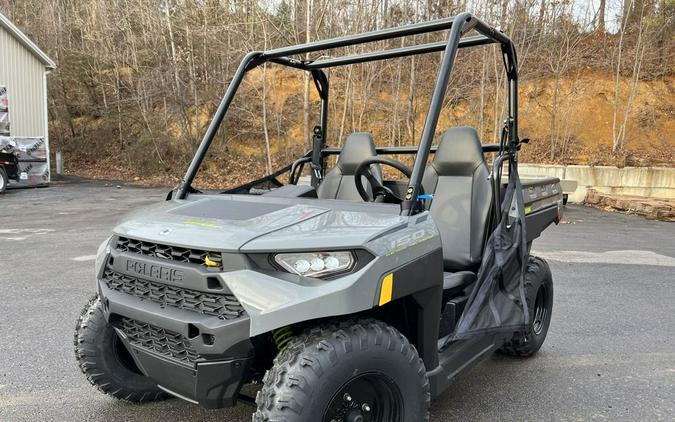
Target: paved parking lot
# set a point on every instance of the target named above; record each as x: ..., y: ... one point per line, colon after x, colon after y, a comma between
x: 610, y: 354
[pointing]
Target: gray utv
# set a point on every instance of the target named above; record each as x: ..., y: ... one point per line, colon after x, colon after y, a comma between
x: 351, y: 297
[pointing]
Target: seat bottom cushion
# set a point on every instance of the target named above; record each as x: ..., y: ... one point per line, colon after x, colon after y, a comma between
x: 455, y: 283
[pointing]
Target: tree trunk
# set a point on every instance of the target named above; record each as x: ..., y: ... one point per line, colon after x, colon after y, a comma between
x: 268, y: 163
x: 410, y: 120
x: 264, y: 119
x: 601, y: 16
x: 306, y: 75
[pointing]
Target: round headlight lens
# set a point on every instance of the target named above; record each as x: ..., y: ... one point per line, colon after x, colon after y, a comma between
x: 301, y: 266
x: 317, y: 264
x: 331, y: 262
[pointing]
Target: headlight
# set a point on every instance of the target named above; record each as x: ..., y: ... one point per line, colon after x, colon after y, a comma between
x: 316, y: 264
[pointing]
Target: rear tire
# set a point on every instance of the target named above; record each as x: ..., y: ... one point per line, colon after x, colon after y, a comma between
x: 358, y: 369
x: 3, y: 180
x: 106, y: 362
x: 539, y: 296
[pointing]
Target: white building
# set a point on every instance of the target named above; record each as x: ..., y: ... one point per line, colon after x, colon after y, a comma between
x: 23, y: 72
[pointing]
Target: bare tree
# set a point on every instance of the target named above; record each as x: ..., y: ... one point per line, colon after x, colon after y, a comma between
x: 620, y: 120
x: 305, y: 98
x: 601, y: 16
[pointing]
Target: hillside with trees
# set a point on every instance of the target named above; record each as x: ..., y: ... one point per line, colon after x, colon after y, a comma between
x: 138, y: 80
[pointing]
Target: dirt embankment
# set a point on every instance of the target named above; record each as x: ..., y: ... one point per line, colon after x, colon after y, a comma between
x: 572, y: 120
x: 586, y: 121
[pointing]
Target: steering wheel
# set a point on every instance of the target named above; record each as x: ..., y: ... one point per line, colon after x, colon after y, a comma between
x: 379, y: 190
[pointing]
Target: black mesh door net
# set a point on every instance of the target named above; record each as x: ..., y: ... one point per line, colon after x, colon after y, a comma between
x: 497, y: 302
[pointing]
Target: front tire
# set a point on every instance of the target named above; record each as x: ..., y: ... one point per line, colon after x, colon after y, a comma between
x: 356, y: 371
x: 105, y: 360
x: 539, y: 296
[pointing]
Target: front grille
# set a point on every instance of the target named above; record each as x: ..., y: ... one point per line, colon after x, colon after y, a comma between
x: 171, y: 253
x: 165, y: 342
x: 224, y: 306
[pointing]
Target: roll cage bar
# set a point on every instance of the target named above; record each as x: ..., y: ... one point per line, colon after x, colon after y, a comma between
x: 457, y: 27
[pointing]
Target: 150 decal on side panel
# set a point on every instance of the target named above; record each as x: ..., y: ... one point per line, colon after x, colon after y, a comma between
x: 408, y: 240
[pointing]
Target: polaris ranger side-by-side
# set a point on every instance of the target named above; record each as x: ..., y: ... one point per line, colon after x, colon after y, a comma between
x: 356, y: 298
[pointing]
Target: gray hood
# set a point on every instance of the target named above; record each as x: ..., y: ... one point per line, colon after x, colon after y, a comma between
x: 255, y: 223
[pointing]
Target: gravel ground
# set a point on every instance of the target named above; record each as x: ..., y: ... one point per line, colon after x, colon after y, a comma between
x: 610, y: 354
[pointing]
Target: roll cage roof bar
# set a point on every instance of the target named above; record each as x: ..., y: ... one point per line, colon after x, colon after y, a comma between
x: 457, y: 26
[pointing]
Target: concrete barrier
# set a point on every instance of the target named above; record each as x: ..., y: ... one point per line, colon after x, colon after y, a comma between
x: 653, y: 182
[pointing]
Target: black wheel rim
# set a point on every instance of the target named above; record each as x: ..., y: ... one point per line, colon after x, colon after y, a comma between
x: 540, y: 311
x: 123, y: 356
x: 369, y: 397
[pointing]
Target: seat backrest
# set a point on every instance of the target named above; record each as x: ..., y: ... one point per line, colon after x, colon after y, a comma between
x: 458, y: 179
x: 339, y: 181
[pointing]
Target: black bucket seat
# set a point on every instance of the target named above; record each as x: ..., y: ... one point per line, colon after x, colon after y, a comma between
x: 458, y: 178
x: 339, y: 181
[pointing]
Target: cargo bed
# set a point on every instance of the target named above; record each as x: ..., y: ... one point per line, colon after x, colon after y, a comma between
x: 543, y: 200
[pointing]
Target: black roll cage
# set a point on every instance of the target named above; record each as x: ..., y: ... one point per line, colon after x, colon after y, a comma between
x: 457, y: 27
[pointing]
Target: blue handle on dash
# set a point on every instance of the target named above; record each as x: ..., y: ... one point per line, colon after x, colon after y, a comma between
x: 425, y: 196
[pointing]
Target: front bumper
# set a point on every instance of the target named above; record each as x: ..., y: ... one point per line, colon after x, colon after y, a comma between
x: 180, y: 336
x: 211, y: 384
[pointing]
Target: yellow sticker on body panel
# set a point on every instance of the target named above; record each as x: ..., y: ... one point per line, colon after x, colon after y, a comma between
x: 387, y: 289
